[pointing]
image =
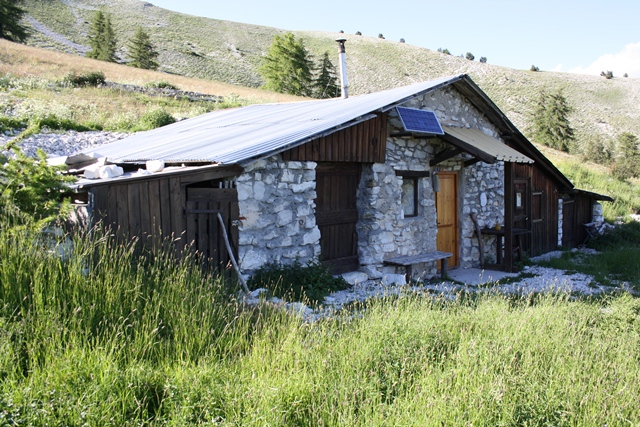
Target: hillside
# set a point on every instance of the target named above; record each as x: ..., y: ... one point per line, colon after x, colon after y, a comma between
x: 231, y: 52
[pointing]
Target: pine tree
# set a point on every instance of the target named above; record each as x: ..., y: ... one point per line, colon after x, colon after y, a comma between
x: 10, y: 16
x: 141, y: 51
x: 326, y: 84
x: 551, y: 121
x: 288, y: 67
x: 102, y: 38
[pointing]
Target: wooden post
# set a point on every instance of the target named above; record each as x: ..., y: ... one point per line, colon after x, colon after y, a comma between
x: 474, y: 218
x: 509, y: 178
x: 232, y: 257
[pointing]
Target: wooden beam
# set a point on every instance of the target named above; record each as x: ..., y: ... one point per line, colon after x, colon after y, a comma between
x: 413, y: 174
x: 444, y: 155
x: 471, y: 162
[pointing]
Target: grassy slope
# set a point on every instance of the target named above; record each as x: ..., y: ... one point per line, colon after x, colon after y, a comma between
x: 231, y: 52
x: 22, y: 61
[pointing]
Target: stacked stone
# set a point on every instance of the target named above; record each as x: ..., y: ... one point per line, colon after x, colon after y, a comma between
x: 277, y: 213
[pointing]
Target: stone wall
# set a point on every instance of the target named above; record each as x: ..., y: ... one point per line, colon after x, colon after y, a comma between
x: 277, y: 213
x: 277, y: 199
x: 384, y: 232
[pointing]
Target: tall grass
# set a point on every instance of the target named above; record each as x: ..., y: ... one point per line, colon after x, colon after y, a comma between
x: 627, y: 198
x: 110, y: 335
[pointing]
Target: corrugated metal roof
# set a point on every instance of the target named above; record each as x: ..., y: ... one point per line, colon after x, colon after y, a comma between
x: 241, y: 134
x: 487, y: 144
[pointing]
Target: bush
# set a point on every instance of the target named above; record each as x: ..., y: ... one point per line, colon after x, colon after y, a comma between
x: 161, y: 85
x: 380, y: 36
x: 295, y: 282
x: 31, y: 189
x: 470, y: 56
x: 608, y: 75
x: 483, y: 59
x: 358, y: 33
x: 597, y: 149
x: 534, y: 68
x: 155, y: 119
x: 93, y: 79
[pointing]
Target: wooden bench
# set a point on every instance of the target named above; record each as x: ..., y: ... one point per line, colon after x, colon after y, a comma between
x: 407, y: 261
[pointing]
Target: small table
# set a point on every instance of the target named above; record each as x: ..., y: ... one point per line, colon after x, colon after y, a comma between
x: 516, y: 232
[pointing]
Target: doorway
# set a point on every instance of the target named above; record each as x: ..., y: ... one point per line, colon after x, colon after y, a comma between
x: 337, y: 214
x: 447, y: 216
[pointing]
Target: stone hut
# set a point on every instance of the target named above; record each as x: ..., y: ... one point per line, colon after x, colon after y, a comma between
x: 348, y: 182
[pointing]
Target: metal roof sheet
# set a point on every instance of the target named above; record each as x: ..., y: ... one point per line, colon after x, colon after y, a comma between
x: 493, y: 147
x: 242, y: 134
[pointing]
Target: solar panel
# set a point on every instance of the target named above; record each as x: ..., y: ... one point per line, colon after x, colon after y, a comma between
x: 422, y: 121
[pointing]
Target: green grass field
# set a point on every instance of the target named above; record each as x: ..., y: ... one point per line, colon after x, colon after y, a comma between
x: 107, y: 337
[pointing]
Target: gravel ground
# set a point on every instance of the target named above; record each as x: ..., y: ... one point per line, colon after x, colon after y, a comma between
x: 62, y: 144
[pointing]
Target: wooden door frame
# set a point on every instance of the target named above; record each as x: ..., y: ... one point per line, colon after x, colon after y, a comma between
x: 456, y: 253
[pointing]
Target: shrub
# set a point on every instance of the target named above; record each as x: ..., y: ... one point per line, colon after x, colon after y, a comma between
x: 93, y: 79
x: 470, y: 56
x: 155, y: 119
x: 596, y: 148
x: 534, y: 68
x: 608, y: 75
x: 380, y: 36
x: 31, y: 189
x: 358, y: 33
x: 9, y: 123
x: 295, y: 282
x: 625, y: 75
x: 401, y: 40
x: 483, y: 59
x: 161, y: 85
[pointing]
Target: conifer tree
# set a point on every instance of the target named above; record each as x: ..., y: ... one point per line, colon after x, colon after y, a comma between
x: 287, y: 67
x: 551, y: 121
x: 141, y: 51
x: 326, y: 84
x: 102, y: 38
x: 11, y: 15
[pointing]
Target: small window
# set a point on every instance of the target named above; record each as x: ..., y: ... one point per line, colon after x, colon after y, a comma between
x: 410, y: 190
x: 410, y: 196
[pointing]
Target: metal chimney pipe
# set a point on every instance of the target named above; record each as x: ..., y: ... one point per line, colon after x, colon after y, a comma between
x: 343, y: 68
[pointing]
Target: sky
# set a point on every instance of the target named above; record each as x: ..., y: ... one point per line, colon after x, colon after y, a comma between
x: 584, y: 36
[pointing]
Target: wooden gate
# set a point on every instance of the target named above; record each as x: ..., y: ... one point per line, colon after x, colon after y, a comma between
x: 447, y: 216
x: 203, y: 230
x: 337, y: 214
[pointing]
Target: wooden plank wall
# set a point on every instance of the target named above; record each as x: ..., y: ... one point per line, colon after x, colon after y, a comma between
x: 544, y: 209
x: 576, y: 211
x: 148, y: 209
x: 364, y: 142
x: 203, y: 229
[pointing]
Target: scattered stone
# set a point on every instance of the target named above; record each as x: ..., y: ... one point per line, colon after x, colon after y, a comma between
x: 355, y: 277
x: 394, y: 279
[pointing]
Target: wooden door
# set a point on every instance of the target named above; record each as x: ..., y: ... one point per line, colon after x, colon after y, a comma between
x: 522, y: 214
x: 337, y: 214
x: 447, y: 216
x: 203, y: 229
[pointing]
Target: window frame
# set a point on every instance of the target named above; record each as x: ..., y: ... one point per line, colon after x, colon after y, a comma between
x: 414, y: 176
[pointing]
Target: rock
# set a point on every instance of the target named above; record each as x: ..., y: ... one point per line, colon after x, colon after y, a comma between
x: 355, y: 277
x: 256, y: 293
x: 397, y: 279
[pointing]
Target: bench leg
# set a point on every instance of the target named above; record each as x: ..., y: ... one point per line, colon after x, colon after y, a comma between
x: 409, y: 271
x: 443, y: 268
